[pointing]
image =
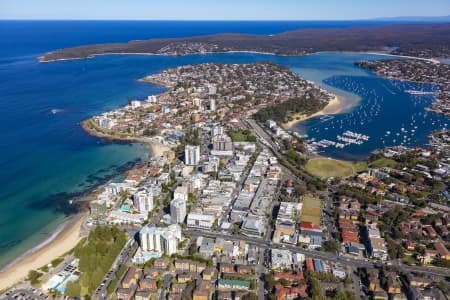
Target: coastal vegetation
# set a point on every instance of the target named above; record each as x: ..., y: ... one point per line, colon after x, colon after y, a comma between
x: 57, y: 261
x: 285, y: 111
x: 96, y: 256
x: 34, y: 277
x: 422, y: 40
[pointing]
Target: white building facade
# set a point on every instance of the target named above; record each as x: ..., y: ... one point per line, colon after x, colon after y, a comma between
x: 177, y: 211
x: 143, y: 200
x: 192, y: 155
x: 160, y: 239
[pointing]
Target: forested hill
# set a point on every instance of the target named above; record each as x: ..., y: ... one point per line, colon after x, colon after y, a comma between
x: 420, y: 40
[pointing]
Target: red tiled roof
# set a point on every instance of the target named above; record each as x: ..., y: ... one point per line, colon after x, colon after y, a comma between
x: 346, y: 224
x: 288, y: 276
x: 350, y: 236
x: 441, y: 249
x: 308, y: 225
x: 309, y: 264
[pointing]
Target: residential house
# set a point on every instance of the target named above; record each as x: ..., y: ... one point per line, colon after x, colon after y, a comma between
x: 208, y: 274
x: 125, y: 293
x: 226, y: 268
x: 393, y: 285
x: 243, y: 269
x: 374, y: 280
x: 131, y: 277
x: 148, y: 283
x: 442, y: 250
x: 183, y: 278
x: 288, y: 293
x: 143, y: 295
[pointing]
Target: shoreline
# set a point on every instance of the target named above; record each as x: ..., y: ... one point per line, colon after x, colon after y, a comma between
x: 156, y: 149
x: 64, y: 239
x: 335, y: 106
x: 42, y: 60
x: 67, y: 235
x: 384, y: 53
x: 381, y: 53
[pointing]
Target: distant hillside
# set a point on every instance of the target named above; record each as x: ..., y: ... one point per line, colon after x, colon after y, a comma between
x: 421, y: 40
x: 437, y: 19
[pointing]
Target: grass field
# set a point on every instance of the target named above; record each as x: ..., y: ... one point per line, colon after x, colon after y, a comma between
x: 311, y: 210
x: 325, y: 167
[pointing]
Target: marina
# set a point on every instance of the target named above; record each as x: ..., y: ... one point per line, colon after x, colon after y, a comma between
x: 390, y: 113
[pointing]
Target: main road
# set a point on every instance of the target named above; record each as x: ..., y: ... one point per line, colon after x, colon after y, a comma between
x: 267, y: 141
x: 328, y: 256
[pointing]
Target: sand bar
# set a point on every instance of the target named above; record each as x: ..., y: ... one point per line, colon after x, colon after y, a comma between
x: 335, y: 106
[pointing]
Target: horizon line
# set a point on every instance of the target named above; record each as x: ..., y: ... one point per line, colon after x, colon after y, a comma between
x: 379, y: 19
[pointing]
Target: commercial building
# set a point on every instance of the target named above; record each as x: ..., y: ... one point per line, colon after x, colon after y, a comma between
x: 200, y: 220
x: 253, y: 226
x: 281, y: 259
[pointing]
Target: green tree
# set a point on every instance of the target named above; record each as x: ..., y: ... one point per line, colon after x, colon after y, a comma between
x: 193, y: 248
x: 33, y: 276
x: 331, y: 246
x: 250, y: 296
x: 348, y: 280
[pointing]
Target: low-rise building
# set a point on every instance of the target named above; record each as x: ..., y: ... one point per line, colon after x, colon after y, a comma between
x: 200, y: 220
x: 281, y: 259
x: 233, y: 284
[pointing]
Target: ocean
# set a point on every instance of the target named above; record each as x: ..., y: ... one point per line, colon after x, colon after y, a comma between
x: 46, y: 159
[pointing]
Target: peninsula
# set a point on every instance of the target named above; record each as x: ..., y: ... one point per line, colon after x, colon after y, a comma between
x: 227, y: 91
x: 418, y: 40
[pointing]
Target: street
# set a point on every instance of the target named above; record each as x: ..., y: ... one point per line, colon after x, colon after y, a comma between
x: 328, y: 256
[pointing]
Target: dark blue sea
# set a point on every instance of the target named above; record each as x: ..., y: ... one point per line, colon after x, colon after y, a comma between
x: 46, y: 159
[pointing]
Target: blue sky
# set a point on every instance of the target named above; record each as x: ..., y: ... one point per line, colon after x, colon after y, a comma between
x: 220, y: 9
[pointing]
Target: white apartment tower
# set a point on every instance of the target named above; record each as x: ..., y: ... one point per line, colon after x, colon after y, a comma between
x: 181, y: 192
x: 217, y: 130
x: 143, y: 200
x: 212, y: 89
x: 212, y: 104
x: 177, y: 211
x: 191, y: 155
x: 160, y: 239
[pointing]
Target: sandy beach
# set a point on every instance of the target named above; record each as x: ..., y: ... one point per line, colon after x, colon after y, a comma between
x: 53, y: 248
x: 335, y: 106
